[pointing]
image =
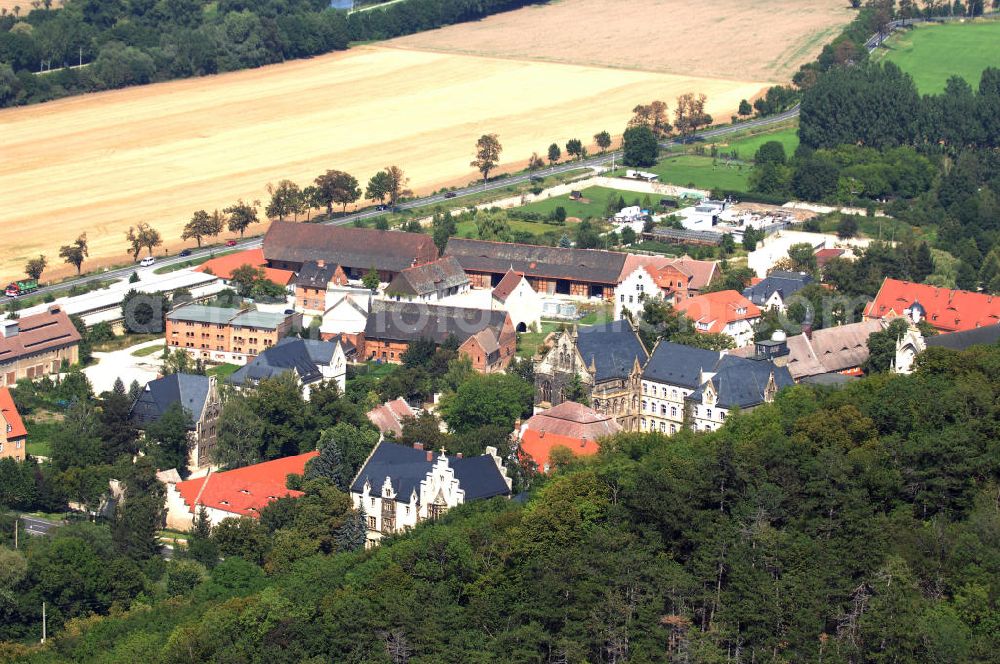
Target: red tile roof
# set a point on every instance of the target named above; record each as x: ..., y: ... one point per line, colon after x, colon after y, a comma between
x: 223, y: 266
x: 538, y: 445
x: 48, y: 330
x: 570, y: 425
x: 390, y: 415
x: 244, y: 491
x: 717, y: 309
x: 699, y: 273
x: 10, y: 415
x: 945, y: 309
x: 507, y: 285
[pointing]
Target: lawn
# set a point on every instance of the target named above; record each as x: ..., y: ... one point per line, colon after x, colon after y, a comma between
x: 702, y: 173
x: 746, y: 146
x: 528, y: 342
x: 147, y: 351
x: 884, y: 228
x: 933, y: 53
x: 536, y: 228
x: 41, y: 429
x: 594, y: 204
x: 221, y: 371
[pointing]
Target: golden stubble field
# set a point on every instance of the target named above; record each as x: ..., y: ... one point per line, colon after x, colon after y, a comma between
x: 757, y: 40
x: 102, y: 162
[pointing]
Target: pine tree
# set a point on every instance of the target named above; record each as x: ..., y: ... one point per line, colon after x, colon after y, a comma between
x: 923, y: 265
x: 564, y: 242
x: 202, y: 547
x: 119, y: 387
x: 352, y: 535
x: 329, y: 465
x: 134, y: 390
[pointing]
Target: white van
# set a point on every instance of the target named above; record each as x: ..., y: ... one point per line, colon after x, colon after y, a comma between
x: 147, y: 261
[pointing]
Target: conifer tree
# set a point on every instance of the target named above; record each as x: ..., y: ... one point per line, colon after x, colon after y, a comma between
x: 351, y: 536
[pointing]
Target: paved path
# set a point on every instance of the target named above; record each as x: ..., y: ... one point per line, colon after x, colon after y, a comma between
x: 122, y: 364
x: 34, y: 525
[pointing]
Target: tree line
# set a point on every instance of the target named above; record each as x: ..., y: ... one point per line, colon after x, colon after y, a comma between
x: 849, y: 525
x: 132, y: 42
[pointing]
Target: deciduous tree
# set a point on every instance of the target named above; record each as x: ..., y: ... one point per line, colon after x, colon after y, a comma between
x: 603, y: 140
x: 35, y: 267
x: 286, y: 199
x: 203, y: 225
x: 75, y: 253
x: 242, y: 215
x: 554, y: 153
x: 574, y: 148
x: 488, y: 151
x: 378, y: 187
x: 640, y: 147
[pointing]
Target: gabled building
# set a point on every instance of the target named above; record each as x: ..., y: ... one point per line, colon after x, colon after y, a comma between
x: 225, y: 334
x: 838, y: 350
x: 13, y: 434
x: 312, y: 283
x: 658, y: 277
x: 289, y: 246
x: 673, y: 373
x: 913, y: 342
x: 486, y: 337
x: 346, y: 313
x: 401, y: 486
x: 722, y: 312
x: 233, y: 493
x: 697, y: 388
x: 774, y: 291
x: 735, y: 384
x: 608, y: 360
x: 37, y: 345
x: 583, y: 273
x: 569, y: 425
x: 311, y: 361
x: 515, y: 295
x: 389, y: 417
x: 198, y: 396
x: 430, y: 282
x: 945, y: 309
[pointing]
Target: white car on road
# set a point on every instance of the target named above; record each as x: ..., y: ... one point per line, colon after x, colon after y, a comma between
x: 147, y: 261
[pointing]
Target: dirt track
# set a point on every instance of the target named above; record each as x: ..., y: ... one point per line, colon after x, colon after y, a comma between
x: 735, y: 39
x: 99, y: 163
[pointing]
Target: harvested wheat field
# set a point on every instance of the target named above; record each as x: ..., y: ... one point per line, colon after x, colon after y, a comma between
x: 99, y: 163
x: 24, y: 6
x: 755, y: 40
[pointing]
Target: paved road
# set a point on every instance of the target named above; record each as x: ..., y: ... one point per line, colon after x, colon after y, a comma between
x: 34, y: 525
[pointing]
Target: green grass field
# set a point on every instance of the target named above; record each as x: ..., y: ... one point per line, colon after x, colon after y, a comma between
x: 595, y: 206
x: 700, y: 172
x: 933, y: 53
x: 747, y: 146
x: 468, y: 228
x: 221, y: 371
x: 147, y: 351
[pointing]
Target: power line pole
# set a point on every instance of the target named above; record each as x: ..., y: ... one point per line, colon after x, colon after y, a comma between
x: 43, y: 622
x: 15, y: 533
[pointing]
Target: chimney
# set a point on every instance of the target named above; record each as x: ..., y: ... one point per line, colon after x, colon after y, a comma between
x: 9, y: 328
x: 430, y: 456
x: 54, y: 308
x: 807, y: 329
x: 458, y: 456
x: 320, y: 263
x: 418, y: 446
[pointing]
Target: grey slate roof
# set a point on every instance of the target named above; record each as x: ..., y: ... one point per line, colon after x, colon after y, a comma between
x: 612, y: 348
x: 409, y: 321
x: 429, y: 278
x: 740, y: 382
x: 264, y: 320
x: 677, y: 364
x: 311, y: 275
x: 158, y: 395
x: 407, y: 467
x: 199, y: 313
x: 988, y: 334
x: 785, y: 283
x: 301, y: 355
x: 586, y: 265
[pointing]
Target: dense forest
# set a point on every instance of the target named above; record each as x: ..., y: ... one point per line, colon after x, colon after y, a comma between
x: 851, y: 525
x: 130, y: 42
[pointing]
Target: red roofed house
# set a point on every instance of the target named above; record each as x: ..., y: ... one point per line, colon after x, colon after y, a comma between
x: 390, y: 415
x: 233, y: 493
x: 223, y: 266
x: 569, y: 425
x: 946, y: 310
x: 672, y: 279
x: 824, y: 256
x: 515, y: 294
x: 13, y: 435
x: 722, y: 312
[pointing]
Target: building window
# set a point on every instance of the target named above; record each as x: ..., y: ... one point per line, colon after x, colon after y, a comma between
x: 708, y: 413
x: 371, y: 523
x: 373, y: 501
x: 673, y: 411
x: 663, y: 427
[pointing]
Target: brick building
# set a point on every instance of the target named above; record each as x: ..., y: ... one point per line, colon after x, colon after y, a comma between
x: 13, y: 435
x: 37, y: 345
x: 224, y: 334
